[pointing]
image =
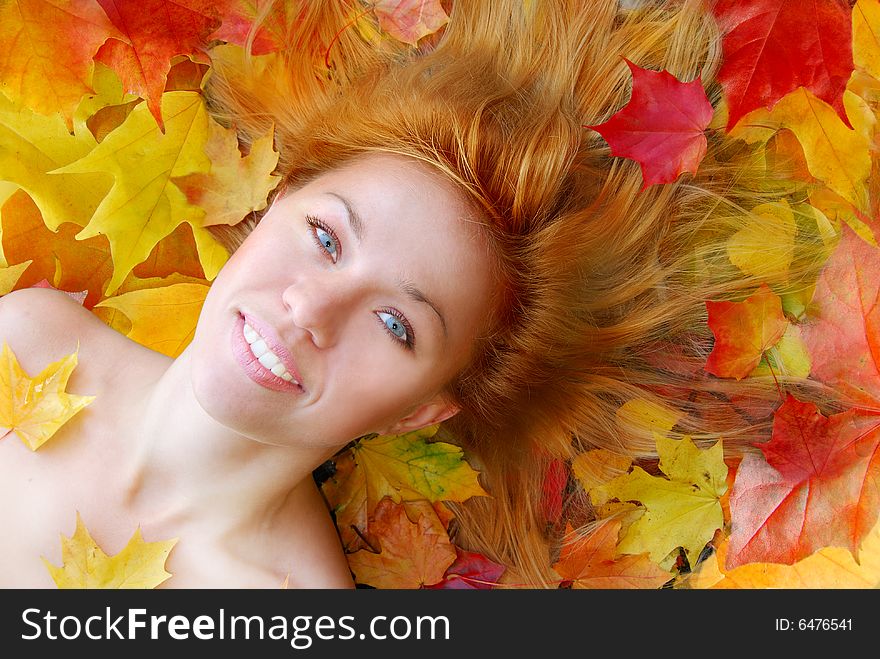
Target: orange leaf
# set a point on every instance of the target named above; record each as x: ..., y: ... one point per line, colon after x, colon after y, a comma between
x: 154, y: 32
x: 819, y: 486
x: 48, y: 47
x: 592, y: 563
x: 67, y: 263
x: 743, y: 331
x: 842, y: 331
x: 413, y: 555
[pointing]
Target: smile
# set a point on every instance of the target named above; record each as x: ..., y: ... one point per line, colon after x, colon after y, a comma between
x: 263, y: 358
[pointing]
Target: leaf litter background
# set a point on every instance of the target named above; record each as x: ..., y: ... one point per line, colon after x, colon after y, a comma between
x: 111, y: 169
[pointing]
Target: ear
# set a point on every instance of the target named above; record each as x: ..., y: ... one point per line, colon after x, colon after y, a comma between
x: 427, y: 414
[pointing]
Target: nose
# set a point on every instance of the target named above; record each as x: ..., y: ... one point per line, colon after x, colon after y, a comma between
x: 321, y: 305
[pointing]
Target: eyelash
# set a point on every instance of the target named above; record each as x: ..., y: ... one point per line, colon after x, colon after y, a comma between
x: 316, y: 223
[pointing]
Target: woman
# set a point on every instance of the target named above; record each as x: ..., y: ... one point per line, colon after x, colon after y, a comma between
x: 450, y: 244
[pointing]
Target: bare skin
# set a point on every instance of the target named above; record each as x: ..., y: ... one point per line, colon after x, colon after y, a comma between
x: 373, y: 282
x: 87, y: 468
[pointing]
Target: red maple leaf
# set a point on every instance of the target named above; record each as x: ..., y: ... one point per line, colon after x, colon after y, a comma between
x: 661, y: 126
x: 819, y: 486
x: 555, y: 480
x: 772, y: 47
x: 470, y: 571
x: 743, y: 331
x: 842, y: 328
x: 156, y: 31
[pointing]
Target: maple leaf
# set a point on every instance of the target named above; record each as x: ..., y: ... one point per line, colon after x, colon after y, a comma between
x: 661, y: 126
x: 772, y: 47
x: 819, y: 486
x: 830, y: 567
x: 764, y: 248
x: 470, y: 571
x: 403, y: 467
x: 236, y: 185
x: 597, y: 467
x: 555, y: 480
x: 10, y: 275
x: 743, y: 331
x: 153, y: 32
x: 84, y: 565
x: 681, y: 511
x: 410, y: 20
x: 829, y: 209
x: 592, y: 562
x: 48, y: 50
x: 31, y: 146
x: 413, y: 554
x: 75, y: 265
x: 238, y: 18
x: 836, y: 155
x: 842, y: 330
x: 144, y: 205
x: 163, y: 318
x: 788, y: 357
x: 35, y: 408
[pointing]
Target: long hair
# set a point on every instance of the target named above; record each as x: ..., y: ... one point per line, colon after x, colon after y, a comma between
x: 603, y: 284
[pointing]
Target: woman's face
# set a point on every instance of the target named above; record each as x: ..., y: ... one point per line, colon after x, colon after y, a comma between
x: 361, y: 294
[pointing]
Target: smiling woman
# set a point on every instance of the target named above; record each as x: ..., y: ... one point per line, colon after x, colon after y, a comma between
x: 449, y: 245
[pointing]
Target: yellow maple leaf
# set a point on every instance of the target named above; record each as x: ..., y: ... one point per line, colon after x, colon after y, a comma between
x: 144, y: 205
x: 236, y: 184
x: 765, y: 246
x: 830, y: 567
x: 683, y: 510
x: 866, y: 36
x: 35, y: 408
x: 789, y: 356
x: 10, y: 275
x: 836, y: 155
x: 164, y: 318
x: 84, y: 565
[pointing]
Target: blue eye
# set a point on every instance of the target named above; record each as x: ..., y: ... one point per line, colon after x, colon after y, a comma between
x: 325, y: 237
x: 397, y: 327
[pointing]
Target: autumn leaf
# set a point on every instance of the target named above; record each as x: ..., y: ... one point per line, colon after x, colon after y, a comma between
x: 842, y: 330
x: 84, y: 565
x: 413, y: 554
x: 31, y: 146
x: 236, y: 185
x: 410, y: 20
x: 788, y: 357
x: 830, y: 567
x: 661, y: 126
x: 682, y: 510
x: 470, y: 571
x: 836, y: 155
x: 10, y: 275
x: 35, y: 408
x: 834, y: 209
x: 592, y: 562
x: 866, y: 36
x: 163, y: 318
x: 597, y: 467
x: 819, y: 486
x: 238, y: 18
x: 403, y: 467
x: 152, y: 33
x: 48, y: 49
x: 764, y: 248
x: 743, y: 331
x: 69, y: 264
x: 555, y: 480
x: 772, y: 47
x: 144, y: 205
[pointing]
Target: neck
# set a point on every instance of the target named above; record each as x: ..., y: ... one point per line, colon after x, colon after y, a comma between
x: 184, y: 466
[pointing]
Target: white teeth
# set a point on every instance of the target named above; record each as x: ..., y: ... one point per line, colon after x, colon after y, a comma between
x: 265, y: 356
x: 269, y: 359
x: 259, y: 348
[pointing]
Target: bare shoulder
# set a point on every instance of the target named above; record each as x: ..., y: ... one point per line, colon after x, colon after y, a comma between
x: 43, y: 325
x: 313, y: 553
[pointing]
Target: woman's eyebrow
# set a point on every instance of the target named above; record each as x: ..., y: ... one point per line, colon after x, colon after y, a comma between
x: 417, y: 295
x: 354, y: 220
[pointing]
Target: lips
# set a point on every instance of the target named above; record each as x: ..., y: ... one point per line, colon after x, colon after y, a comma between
x: 286, y: 377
